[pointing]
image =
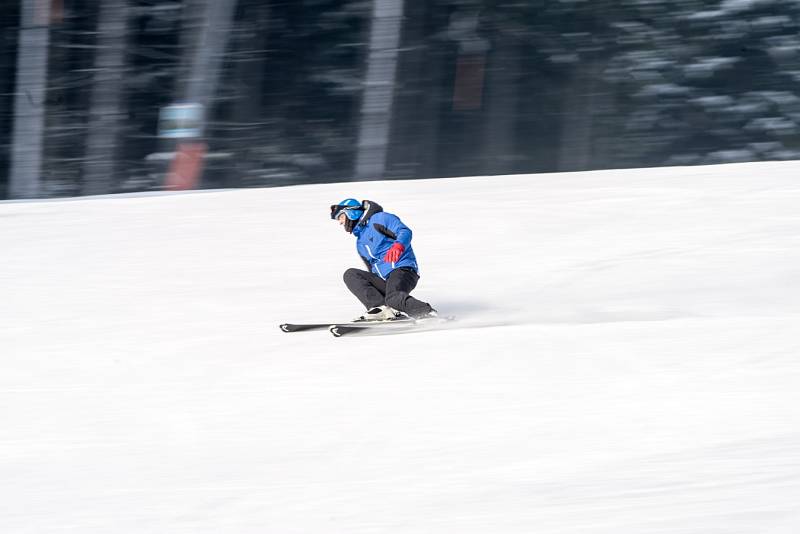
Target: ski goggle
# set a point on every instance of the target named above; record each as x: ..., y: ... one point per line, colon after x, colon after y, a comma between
x: 336, y: 209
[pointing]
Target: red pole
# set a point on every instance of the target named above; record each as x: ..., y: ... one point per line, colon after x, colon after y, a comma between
x: 185, y: 170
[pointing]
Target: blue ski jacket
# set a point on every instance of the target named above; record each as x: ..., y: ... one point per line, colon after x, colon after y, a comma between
x: 375, y: 233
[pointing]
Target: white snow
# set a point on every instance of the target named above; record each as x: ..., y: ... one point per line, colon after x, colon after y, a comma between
x: 626, y: 360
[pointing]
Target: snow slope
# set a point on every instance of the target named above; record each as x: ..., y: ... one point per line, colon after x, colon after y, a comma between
x: 627, y: 360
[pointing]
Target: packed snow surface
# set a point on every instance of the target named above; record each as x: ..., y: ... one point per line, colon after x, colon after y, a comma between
x: 626, y: 360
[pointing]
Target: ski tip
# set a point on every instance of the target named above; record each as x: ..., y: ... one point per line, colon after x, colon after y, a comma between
x: 335, y: 331
x: 284, y: 327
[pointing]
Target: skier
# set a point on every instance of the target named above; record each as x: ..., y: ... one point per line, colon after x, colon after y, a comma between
x: 384, y: 244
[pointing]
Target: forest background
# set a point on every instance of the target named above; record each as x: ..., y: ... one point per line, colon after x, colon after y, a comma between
x: 309, y: 91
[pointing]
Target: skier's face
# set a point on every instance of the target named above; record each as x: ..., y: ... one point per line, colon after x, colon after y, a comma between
x: 341, y: 218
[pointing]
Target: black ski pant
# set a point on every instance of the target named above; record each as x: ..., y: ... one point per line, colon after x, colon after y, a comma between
x: 372, y: 290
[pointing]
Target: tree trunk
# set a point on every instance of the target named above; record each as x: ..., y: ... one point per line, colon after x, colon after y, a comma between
x: 376, y: 107
x: 208, y: 54
x: 99, y: 164
x: 502, y: 103
x: 205, y: 44
x: 249, y: 73
x: 576, y: 150
x: 29, y: 100
x: 417, y: 99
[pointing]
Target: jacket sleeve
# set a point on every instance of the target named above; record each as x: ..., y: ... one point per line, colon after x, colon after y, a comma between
x: 392, y: 227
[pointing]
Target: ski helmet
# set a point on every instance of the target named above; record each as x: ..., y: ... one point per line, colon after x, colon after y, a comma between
x: 351, y: 207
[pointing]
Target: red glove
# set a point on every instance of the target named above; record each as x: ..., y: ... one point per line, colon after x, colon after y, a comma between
x: 394, y: 253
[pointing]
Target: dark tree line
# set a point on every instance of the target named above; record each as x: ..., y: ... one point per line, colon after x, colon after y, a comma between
x: 9, y: 22
x: 481, y: 87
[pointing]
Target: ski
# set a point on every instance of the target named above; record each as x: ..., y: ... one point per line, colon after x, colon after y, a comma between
x: 305, y: 327
x: 387, y: 327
